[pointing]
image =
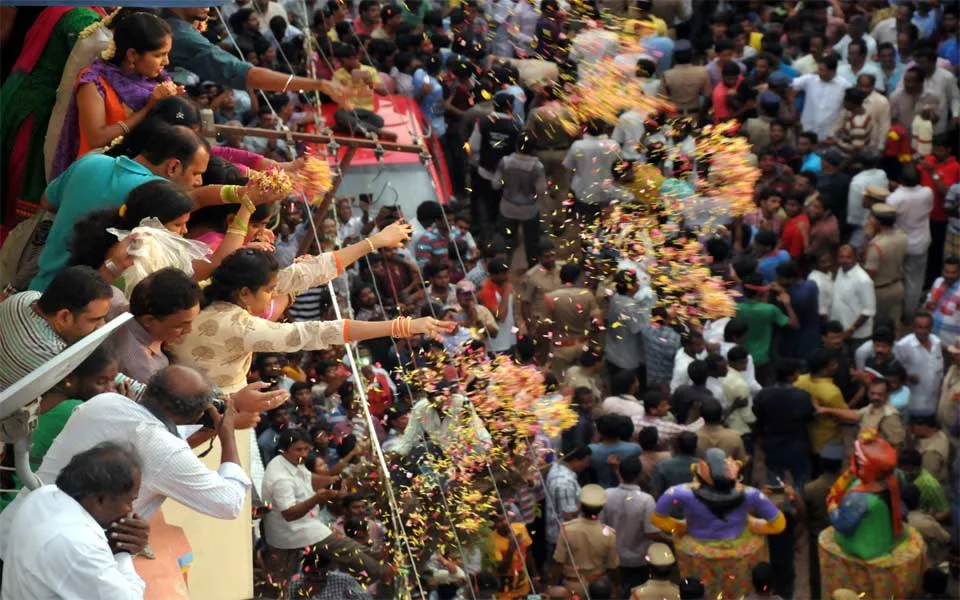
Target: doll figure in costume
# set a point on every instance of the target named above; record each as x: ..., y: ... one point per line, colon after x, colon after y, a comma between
x: 864, y: 504
x: 721, y: 537
x: 716, y: 505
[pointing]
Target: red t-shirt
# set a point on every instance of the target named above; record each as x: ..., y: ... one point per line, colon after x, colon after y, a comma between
x: 490, y: 295
x: 379, y: 395
x: 791, y: 239
x: 949, y: 172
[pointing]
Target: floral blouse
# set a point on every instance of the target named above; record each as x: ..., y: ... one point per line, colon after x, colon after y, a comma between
x: 225, y: 336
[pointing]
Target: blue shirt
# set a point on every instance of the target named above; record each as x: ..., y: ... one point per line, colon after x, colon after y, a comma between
x: 788, y: 71
x: 950, y: 50
x: 767, y: 266
x: 519, y: 102
x: 811, y: 162
x: 662, y: 48
x: 93, y: 182
x: 927, y: 25
x: 801, y: 342
x: 431, y: 104
x: 598, y: 460
x: 894, y: 79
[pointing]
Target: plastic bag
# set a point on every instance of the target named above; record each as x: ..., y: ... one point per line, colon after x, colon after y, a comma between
x: 157, y: 248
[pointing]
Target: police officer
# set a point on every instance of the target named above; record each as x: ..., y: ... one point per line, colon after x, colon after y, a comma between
x: 659, y: 587
x: 587, y: 549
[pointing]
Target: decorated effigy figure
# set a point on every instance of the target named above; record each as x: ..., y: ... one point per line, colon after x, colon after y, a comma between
x: 870, y: 548
x: 721, y: 535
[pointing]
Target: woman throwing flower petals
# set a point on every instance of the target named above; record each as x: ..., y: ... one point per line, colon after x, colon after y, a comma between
x: 226, y: 333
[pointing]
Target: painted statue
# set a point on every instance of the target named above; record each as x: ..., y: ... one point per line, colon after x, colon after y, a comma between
x: 716, y: 505
x: 864, y: 504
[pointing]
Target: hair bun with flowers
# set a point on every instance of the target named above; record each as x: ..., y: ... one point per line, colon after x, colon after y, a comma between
x: 110, y: 51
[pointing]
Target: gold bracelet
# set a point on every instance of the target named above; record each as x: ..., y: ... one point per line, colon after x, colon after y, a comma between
x: 234, y: 230
x: 369, y: 243
x: 393, y: 328
x: 123, y: 125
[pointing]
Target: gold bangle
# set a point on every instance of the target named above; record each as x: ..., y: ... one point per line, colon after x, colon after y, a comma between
x: 123, y: 125
x: 234, y: 230
x: 369, y: 243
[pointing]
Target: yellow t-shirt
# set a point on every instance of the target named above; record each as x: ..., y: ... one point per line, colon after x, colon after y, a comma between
x: 363, y: 93
x: 658, y: 25
x: 514, y: 583
x: 825, y: 392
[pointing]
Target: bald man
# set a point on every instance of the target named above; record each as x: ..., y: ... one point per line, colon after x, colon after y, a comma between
x: 175, y: 396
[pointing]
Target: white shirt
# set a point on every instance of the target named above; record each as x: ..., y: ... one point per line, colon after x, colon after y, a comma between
x: 750, y: 374
x: 856, y: 213
x: 885, y: 31
x: 853, y: 295
x: 861, y: 354
x: 927, y: 365
x: 625, y: 405
x: 942, y: 86
x: 681, y: 362
x: 913, y: 206
x: 878, y: 107
x: 506, y: 337
x: 629, y: 133
x: 351, y: 231
x: 590, y: 160
x: 424, y: 419
x: 273, y: 10
x: 822, y: 104
x: 284, y: 485
x: 846, y: 71
x: 63, y: 553
x: 844, y: 43
x: 169, y: 468
x: 824, y: 283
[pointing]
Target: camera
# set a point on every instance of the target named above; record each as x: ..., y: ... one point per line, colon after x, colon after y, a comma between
x: 206, y: 420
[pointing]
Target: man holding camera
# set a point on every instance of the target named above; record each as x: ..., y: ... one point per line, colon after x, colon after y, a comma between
x: 175, y: 396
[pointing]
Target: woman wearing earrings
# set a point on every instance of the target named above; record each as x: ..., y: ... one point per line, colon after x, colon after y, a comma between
x: 118, y: 90
x: 227, y: 331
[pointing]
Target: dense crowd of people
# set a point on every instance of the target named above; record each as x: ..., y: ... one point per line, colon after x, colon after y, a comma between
x: 245, y: 300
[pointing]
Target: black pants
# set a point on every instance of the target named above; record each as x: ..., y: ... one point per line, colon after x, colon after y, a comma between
x: 484, y: 206
x: 814, y: 560
x: 938, y: 237
x: 781, y: 548
x: 357, y: 121
x: 509, y: 229
x: 456, y: 157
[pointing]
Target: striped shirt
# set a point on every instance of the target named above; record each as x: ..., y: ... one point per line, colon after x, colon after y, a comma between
x: 855, y: 131
x: 27, y: 342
